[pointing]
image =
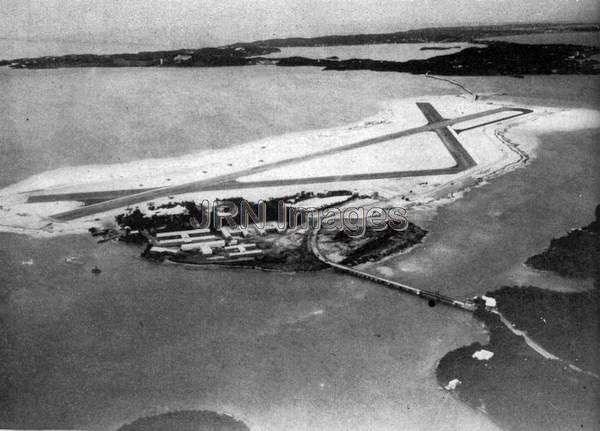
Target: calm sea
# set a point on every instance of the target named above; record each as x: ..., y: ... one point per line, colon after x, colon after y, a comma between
x: 384, y: 51
x: 280, y: 351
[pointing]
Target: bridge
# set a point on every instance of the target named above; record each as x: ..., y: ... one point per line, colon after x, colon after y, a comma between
x: 466, y: 305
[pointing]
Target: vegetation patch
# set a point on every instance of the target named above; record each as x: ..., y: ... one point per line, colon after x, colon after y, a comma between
x: 576, y: 254
x: 518, y: 387
x: 187, y: 420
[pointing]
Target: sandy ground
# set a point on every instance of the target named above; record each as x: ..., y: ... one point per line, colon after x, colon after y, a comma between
x: 487, y: 145
x: 423, y: 150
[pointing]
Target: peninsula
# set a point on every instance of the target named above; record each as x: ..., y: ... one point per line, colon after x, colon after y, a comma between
x: 546, y: 338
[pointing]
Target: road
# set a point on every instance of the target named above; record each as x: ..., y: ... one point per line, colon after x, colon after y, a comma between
x: 435, y: 124
x: 538, y: 348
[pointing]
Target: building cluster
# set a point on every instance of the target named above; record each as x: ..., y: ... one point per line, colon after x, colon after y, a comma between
x: 226, y: 244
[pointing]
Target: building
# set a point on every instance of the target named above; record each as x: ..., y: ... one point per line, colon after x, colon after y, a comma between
x: 163, y: 250
x: 201, y: 240
x: 203, y: 245
x: 229, y: 232
x: 183, y: 237
x: 242, y: 251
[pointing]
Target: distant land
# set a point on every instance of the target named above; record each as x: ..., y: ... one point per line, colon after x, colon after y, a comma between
x: 496, y: 58
x: 239, y: 55
x: 430, y: 35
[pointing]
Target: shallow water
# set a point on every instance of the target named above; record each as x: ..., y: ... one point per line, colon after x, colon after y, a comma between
x: 384, y: 51
x: 303, y: 351
x: 280, y: 351
x: 68, y: 117
x: 481, y: 241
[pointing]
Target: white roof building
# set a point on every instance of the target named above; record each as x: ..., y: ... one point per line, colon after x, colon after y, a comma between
x: 489, y: 301
x: 483, y: 355
x: 452, y: 384
x: 191, y: 232
x: 166, y: 250
x: 202, y: 245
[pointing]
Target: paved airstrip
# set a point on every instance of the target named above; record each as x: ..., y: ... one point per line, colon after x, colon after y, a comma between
x: 436, y: 123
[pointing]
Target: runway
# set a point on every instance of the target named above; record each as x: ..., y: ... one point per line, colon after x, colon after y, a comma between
x: 436, y: 123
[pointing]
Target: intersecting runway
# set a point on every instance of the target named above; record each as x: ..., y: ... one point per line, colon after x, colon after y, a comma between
x: 436, y: 123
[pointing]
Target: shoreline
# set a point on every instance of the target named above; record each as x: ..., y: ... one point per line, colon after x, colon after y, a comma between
x: 510, y: 345
x: 557, y: 325
x: 394, y: 115
x: 274, y: 348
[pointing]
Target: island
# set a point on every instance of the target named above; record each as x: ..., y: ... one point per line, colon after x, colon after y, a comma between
x: 174, y: 232
x: 432, y: 35
x: 494, y: 58
x: 186, y: 420
x: 497, y: 58
x: 545, y: 338
x: 239, y: 55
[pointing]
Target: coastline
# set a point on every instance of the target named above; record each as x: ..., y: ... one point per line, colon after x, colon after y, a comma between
x: 489, y: 384
x: 393, y: 116
x: 281, y: 313
x: 529, y: 135
x: 554, y: 330
x: 109, y: 153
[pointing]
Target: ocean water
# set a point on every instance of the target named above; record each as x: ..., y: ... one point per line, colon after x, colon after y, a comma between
x: 480, y: 243
x: 574, y: 37
x: 384, y: 51
x: 302, y: 351
x: 69, y: 117
x: 279, y: 351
